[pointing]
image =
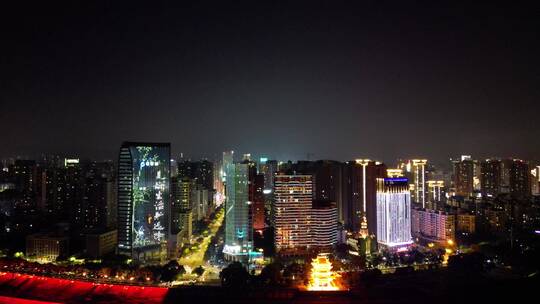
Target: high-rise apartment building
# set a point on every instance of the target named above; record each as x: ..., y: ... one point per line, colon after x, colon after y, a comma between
x: 519, y: 178
x: 269, y: 170
x: 291, y: 212
x: 201, y: 202
x: 327, y: 178
x: 324, y: 223
x: 301, y: 224
x: 507, y: 176
x: 535, y: 181
x: 359, y: 188
x: 181, y: 210
x: 257, y: 198
x: 433, y: 226
x: 491, y: 177
x: 464, y: 177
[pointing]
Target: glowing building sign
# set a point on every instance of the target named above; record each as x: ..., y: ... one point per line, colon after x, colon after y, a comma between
x: 69, y: 162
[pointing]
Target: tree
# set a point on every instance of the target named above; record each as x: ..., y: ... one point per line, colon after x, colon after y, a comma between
x: 171, y: 270
x: 198, y: 271
x: 111, y: 259
x: 271, y: 274
x: 469, y: 263
x: 416, y: 256
x: 358, y: 261
x: 234, y: 276
x: 376, y: 260
x: 342, y: 251
x: 293, y: 269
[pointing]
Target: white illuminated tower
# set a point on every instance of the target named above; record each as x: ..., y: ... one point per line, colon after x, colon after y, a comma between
x: 393, y: 212
x: 419, y: 176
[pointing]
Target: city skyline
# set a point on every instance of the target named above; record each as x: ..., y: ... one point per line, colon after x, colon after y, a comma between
x: 445, y: 162
x: 270, y: 151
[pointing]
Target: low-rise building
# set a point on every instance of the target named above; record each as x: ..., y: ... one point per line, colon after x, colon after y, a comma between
x: 46, y: 247
x: 99, y: 244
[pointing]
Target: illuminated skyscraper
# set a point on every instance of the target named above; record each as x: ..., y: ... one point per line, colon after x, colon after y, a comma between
x: 238, y: 226
x: 359, y: 194
x: 181, y: 214
x: 508, y: 176
x: 269, y: 175
x: 327, y: 180
x: 181, y: 209
x: 535, y: 181
x: 25, y: 174
x: 30, y: 180
x: 143, y: 199
x: 201, y: 202
x: 419, y: 180
x: 506, y: 167
x: 257, y: 198
x: 363, y: 211
x: 226, y: 160
x: 491, y: 177
x: 519, y: 179
x: 291, y: 212
x: 464, y: 177
x: 393, y: 212
x: 202, y: 172
x: 324, y: 223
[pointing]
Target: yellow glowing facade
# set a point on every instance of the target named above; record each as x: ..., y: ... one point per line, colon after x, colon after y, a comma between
x: 322, y: 276
x: 434, y: 190
x: 419, y: 179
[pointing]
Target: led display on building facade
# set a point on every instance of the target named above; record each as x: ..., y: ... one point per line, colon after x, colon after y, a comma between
x: 143, y: 195
x: 393, y: 212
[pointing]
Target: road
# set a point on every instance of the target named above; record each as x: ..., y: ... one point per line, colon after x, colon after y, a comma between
x: 196, y: 257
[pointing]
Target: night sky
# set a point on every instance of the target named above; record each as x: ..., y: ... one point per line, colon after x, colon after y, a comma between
x: 337, y: 81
